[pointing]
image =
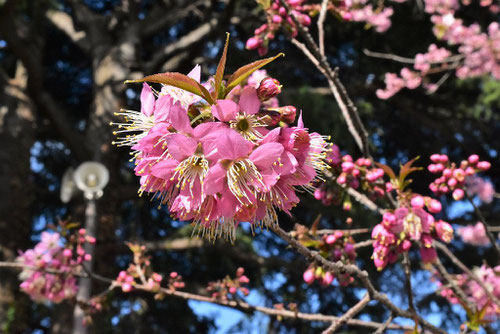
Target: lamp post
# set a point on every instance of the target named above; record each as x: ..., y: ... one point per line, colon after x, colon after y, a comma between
x: 90, y: 177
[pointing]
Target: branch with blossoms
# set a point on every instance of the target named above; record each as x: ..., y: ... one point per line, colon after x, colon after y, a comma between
x: 140, y: 277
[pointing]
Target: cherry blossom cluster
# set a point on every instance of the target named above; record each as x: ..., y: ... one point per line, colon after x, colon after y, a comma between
x: 140, y: 272
x: 277, y: 16
x: 225, y: 161
x: 228, y: 287
x: 453, y: 178
x: 412, y: 222
x: 337, y: 246
x: 478, y: 50
x: 50, y: 267
x: 490, y: 277
x: 474, y: 234
x: 484, y: 189
x: 347, y: 172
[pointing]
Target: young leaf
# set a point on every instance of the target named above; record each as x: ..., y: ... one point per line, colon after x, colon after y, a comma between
x: 388, y: 170
x: 180, y: 81
x: 407, y: 169
x: 243, y: 72
x: 220, y: 71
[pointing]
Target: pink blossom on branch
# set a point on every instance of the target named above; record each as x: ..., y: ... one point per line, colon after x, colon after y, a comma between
x: 219, y: 162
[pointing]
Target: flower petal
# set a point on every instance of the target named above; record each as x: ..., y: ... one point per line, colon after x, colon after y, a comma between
x: 164, y: 169
x: 265, y: 155
x: 214, y: 180
x: 231, y: 145
x: 179, y: 119
x: 225, y: 110
x: 180, y: 146
x: 249, y: 101
x: 147, y: 100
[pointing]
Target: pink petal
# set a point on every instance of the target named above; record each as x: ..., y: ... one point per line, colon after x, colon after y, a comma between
x: 249, y: 101
x: 214, y: 181
x: 179, y: 119
x: 162, y: 108
x: 228, y: 204
x: 231, y: 145
x: 164, y: 169
x: 225, y: 110
x: 271, y: 136
x: 147, y: 100
x: 195, y: 73
x: 300, y: 122
x: 180, y: 146
x: 265, y: 155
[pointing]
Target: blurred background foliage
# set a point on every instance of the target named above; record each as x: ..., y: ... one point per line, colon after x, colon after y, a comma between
x: 62, y: 67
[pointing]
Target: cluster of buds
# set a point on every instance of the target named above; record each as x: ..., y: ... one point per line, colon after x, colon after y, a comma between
x: 175, y: 281
x: 277, y: 16
x: 214, y: 154
x: 453, y: 177
x: 228, y: 287
x: 50, y: 267
x: 139, y: 272
x: 337, y: 246
x: 474, y: 234
x: 346, y: 172
x: 474, y: 292
x: 410, y: 222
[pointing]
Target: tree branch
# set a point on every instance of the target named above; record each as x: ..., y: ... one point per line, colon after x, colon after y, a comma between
x: 348, y: 315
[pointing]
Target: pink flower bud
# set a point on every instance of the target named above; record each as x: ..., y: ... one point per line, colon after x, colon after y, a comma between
x: 330, y: 239
x: 82, y: 231
x: 483, y: 165
x: 452, y: 182
x: 447, y: 172
x: 458, y: 194
x: 436, y: 158
x: 473, y: 159
x: 67, y: 252
x: 347, y: 166
x: 288, y: 114
x: 173, y: 274
x: 342, y: 179
x: 405, y: 245
x: 428, y: 254
x: 435, y: 206
x: 253, y: 43
x: 126, y: 287
x: 277, y: 19
x: 417, y: 201
x: 240, y: 271
x: 268, y: 89
x: 244, y: 280
x: 469, y: 171
x: 87, y: 257
x: 328, y: 278
x: 232, y: 290
x: 444, y: 231
x: 308, y: 276
x: 443, y: 158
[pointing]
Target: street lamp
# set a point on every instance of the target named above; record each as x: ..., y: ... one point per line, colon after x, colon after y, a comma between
x: 90, y: 178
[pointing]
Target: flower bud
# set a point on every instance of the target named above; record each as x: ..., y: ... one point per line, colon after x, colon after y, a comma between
x: 435, y: 206
x: 126, y: 287
x: 268, y: 88
x: 330, y: 239
x: 444, y: 231
x: 328, y: 278
x: 458, y: 194
x: 417, y: 201
x: 288, y: 114
x: 473, y: 159
x: 308, y: 276
x: 253, y: 43
x: 483, y: 165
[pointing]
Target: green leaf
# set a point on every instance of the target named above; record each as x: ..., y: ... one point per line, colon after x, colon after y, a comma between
x: 178, y: 80
x: 219, y: 89
x: 243, y: 72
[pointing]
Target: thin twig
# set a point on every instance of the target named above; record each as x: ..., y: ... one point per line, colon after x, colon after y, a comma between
x: 409, y: 291
x: 321, y: 27
x: 347, y: 107
x: 349, y: 232
x: 380, y: 330
x: 348, y: 315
